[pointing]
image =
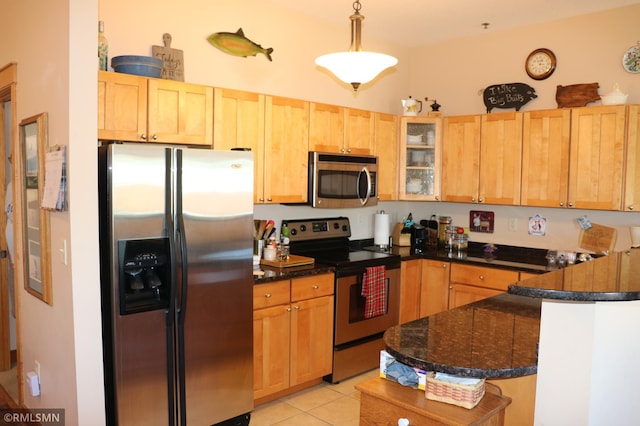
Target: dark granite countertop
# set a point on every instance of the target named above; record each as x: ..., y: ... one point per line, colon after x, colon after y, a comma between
x: 615, y: 277
x: 491, y: 338
x: 497, y: 337
x: 502, y: 256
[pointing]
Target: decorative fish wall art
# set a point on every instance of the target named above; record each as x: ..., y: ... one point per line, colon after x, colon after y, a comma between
x: 237, y: 44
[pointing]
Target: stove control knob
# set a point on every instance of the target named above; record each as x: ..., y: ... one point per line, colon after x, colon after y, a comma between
x: 336, y: 225
x: 293, y: 231
x: 303, y: 228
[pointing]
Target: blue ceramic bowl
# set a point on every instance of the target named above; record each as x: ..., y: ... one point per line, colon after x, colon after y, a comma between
x: 145, y: 66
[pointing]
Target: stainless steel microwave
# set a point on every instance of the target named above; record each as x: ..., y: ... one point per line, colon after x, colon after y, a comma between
x: 342, y: 181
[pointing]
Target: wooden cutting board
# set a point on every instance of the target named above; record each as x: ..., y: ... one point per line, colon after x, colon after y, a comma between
x: 173, y: 61
x: 598, y: 238
x: 293, y: 260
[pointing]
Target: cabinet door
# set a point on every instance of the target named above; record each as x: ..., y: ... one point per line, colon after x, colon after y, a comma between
x: 180, y: 112
x: 359, y: 133
x: 122, y: 106
x: 286, y: 155
x: 311, y: 339
x: 434, y: 295
x: 271, y: 337
x: 597, y: 157
x: 480, y: 276
x: 462, y: 294
x: 500, y: 158
x: 410, y: 285
x: 386, y: 138
x: 461, y: 159
x: 545, y: 158
x: 326, y: 128
x: 239, y: 123
x: 420, y: 158
x: 632, y: 178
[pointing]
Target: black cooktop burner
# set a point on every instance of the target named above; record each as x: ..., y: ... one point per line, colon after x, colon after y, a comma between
x: 327, y: 241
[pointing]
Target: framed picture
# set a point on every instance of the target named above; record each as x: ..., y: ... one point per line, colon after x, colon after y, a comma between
x: 481, y: 221
x: 35, y: 221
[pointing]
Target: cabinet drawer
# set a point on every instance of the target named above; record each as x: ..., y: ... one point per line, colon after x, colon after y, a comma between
x: 271, y: 294
x: 480, y: 276
x: 312, y: 286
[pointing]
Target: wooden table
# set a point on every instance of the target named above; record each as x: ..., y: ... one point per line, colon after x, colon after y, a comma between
x: 383, y: 402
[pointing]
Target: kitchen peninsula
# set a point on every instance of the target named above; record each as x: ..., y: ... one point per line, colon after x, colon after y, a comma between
x: 572, y: 330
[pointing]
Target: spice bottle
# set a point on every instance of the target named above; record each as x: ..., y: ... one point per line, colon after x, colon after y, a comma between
x: 103, y: 48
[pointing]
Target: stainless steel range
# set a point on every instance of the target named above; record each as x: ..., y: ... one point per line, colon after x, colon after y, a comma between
x: 357, y: 337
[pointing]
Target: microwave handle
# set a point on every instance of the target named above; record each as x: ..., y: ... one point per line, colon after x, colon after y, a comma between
x: 364, y: 200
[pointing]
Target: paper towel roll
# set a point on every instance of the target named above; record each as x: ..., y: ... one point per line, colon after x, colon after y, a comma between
x: 381, y: 230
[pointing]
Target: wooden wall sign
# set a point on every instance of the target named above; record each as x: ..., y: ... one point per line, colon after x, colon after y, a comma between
x: 576, y: 95
x: 173, y: 61
x: 508, y: 95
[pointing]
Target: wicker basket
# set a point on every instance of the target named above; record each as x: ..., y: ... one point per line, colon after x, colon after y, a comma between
x: 463, y: 395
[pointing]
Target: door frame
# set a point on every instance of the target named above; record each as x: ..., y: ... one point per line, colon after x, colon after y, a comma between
x: 8, y: 85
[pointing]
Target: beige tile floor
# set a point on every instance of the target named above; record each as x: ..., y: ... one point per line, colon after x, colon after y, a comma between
x: 321, y: 405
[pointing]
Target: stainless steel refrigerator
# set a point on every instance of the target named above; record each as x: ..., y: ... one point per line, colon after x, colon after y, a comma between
x: 176, y: 231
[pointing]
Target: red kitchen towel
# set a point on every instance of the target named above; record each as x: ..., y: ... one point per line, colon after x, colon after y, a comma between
x: 374, y: 289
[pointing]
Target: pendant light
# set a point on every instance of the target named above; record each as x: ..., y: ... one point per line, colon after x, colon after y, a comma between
x: 355, y: 66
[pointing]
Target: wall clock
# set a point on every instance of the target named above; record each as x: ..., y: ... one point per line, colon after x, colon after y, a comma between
x: 540, y: 64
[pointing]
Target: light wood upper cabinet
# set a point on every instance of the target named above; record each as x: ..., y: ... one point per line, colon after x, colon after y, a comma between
x: 359, y: 132
x: 632, y: 178
x: 481, y: 158
x: 546, y: 137
x: 500, y: 158
x: 461, y: 159
x: 122, y: 106
x: 386, y: 143
x: 326, y: 128
x: 239, y: 123
x: 420, y: 158
x: 340, y: 130
x: 597, y: 157
x: 142, y: 109
x: 286, y: 156
x: 180, y: 112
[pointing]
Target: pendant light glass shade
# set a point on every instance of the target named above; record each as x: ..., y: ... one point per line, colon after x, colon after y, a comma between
x: 355, y: 66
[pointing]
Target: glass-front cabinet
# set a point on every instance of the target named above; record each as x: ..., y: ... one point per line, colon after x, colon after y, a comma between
x: 420, y: 158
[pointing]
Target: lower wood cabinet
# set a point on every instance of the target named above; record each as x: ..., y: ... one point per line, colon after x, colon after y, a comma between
x: 432, y: 286
x: 292, y: 333
x: 469, y: 283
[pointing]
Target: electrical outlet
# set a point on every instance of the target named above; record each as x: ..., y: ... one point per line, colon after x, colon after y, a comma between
x: 513, y: 224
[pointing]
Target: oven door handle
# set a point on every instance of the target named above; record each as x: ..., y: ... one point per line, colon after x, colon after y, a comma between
x: 365, y: 172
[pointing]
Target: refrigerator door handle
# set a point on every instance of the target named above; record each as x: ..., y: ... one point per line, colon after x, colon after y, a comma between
x: 182, y: 306
x: 171, y: 311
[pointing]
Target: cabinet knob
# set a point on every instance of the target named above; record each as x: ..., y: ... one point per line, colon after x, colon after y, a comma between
x: 267, y: 295
x: 570, y: 204
x: 315, y: 287
x: 444, y: 266
x: 481, y: 277
x: 269, y: 199
x: 154, y: 137
x: 289, y: 309
x: 630, y: 207
x: 437, y: 198
x: 261, y: 199
x: 561, y: 204
x: 348, y: 150
x: 297, y: 308
x: 143, y: 137
x: 473, y: 199
x: 480, y: 200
